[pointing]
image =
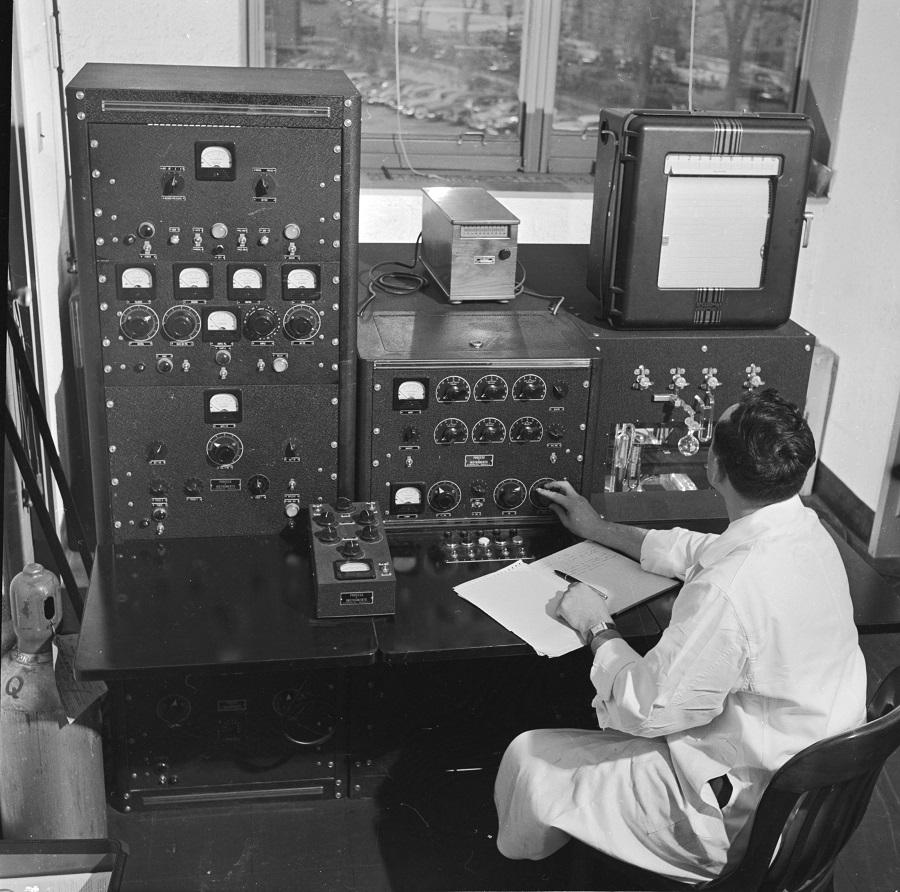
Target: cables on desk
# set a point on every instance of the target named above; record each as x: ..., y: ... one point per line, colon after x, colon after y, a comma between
x: 394, y: 281
x: 519, y: 288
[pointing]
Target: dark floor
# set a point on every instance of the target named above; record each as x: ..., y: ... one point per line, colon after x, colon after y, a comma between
x: 426, y: 829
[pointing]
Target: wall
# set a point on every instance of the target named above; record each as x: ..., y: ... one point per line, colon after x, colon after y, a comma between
x: 847, y: 286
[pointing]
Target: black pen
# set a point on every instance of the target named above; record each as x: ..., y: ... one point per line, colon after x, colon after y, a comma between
x: 572, y: 579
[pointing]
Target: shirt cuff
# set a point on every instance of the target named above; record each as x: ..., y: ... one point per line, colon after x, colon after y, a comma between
x: 609, y: 659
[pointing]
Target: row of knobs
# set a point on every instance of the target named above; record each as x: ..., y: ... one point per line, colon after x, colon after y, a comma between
x: 146, y: 230
x: 367, y: 528
x: 465, y: 546
x: 139, y: 322
x: 489, y: 430
x: 222, y: 448
x: 508, y: 495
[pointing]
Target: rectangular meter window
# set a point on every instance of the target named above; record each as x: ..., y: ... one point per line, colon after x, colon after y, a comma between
x: 222, y: 406
x: 300, y: 281
x: 214, y: 160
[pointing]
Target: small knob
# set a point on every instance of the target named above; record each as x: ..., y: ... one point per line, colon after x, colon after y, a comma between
x: 556, y: 431
x: 351, y: 548
x: 328, y: 534
x: 369, y: 533
x: 173, y: 183
x: 157, y: 451
x: 560, y: 390
x: 291, y: 448
x: 193, y: 487
x: 261, y: 189
x: 410, y: 434
x: 366, y: 516
x: 343, y: 504
x: 258, y: 485
x: 325, y: 519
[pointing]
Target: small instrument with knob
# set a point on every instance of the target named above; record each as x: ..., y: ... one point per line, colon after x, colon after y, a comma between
x: 351, y: 562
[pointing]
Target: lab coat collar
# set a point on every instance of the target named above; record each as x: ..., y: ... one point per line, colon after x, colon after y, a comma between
x: 779, y: 515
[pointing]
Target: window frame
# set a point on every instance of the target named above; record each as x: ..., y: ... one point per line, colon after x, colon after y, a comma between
x: 824, y: 50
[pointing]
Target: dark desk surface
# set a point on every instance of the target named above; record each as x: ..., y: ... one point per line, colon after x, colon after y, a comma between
x: 209, y: 604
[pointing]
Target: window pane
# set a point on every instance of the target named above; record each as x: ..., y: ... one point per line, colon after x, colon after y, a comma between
x: 459, y: 59
x: 635, y: 54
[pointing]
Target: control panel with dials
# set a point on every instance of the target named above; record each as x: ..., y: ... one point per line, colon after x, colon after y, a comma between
x: 216, y: 224
x: 451, y: 441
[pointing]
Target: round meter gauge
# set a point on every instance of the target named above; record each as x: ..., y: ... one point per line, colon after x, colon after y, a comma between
x: 216, y: 157
x: 452, y: 389
x: 193, y: 277
x: 491, y: 388
x: 137, y: 277
x: 530, y: 387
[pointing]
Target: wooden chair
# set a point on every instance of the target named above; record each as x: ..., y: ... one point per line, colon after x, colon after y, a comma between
x: 809, y: 811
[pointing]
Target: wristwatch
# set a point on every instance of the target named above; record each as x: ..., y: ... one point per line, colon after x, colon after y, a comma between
x: 597, y: 628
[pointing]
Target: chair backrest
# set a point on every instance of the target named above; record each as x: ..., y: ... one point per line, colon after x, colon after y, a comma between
x: 815, y: 801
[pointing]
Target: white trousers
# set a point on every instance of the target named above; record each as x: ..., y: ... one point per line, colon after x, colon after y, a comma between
x: 617, y: 793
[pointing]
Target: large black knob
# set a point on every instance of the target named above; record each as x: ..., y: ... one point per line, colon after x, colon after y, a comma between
x: 181, y: 324
x: 509, y: 494
x: 451, y: 430
x: 299, y: 325
x: 260, y: 323
x: 139, y: 323
x: 444, y: 496
x: 223, y: 449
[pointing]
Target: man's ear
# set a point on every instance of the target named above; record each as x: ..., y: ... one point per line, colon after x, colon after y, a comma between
x: 715, y: 468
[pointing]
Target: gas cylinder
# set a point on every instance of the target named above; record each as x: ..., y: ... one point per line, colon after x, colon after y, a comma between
x: 51, y: 769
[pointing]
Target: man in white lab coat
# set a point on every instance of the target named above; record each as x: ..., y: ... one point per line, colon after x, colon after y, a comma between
x: 761, y: 659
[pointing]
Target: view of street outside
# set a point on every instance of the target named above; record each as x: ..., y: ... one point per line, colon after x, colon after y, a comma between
x: 460, y: 59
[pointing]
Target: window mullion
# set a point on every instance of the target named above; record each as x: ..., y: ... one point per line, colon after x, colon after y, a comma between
x: 537, y: 80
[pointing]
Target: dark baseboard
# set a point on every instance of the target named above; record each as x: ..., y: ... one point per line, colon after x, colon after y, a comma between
x: 856, y: 516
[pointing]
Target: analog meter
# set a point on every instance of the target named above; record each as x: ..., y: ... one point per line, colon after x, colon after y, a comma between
x: 300, y: 283
x: 410, y: 394
x: 246, y: 282
x: 135, y: 281
x: 407, y: 498
x: 193, y: 281
x: 214, y: 160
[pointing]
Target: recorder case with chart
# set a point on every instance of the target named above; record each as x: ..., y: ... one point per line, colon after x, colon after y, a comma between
x: 698, y: 217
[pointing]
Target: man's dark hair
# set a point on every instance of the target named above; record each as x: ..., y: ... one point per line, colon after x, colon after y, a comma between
x: 765, y: 447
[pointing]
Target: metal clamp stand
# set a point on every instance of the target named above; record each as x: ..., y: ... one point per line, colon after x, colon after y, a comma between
x: 31, y: 483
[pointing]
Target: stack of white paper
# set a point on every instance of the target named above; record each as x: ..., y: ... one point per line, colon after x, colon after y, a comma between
x: 523, y: 597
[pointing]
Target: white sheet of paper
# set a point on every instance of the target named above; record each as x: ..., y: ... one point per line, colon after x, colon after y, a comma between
x: 714, y: 232
x: 523, y: 600
x: 523, y: 597
x: 618, y: 575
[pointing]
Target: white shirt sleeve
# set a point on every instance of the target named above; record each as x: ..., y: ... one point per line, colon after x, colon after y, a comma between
x: 683, y: 681
x: 671, y: 552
